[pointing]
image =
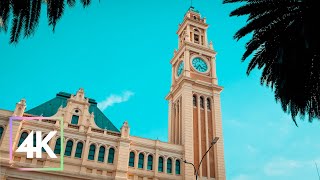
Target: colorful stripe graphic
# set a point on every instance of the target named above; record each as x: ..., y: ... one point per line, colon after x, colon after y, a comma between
x: 61, y: 141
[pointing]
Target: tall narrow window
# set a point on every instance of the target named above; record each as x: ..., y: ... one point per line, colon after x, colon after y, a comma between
x: 111, y: 156
x: 195, y: 100
x: 22, y: 138
x: 201, y: 102
x: 1, y: 132
x: 75, y: 119
x: 177, y: 167
x: 208, y: 104
x: 150, y: 162
x: 57, y: 147
x: 160, y: 165
x: 92, y: 151
x: 68, y: 150
x: 102, y: 151
x: 79, y: 150
x: 196, y: 38
x: 141, y: 161
x: 169, y: 166
x: 131, y: 159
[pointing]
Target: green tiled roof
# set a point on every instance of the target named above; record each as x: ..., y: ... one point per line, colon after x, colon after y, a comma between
x: 51, y: 107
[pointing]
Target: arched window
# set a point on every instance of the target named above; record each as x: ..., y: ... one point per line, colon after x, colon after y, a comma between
x: 75, y: 119
x: 208, y: 104
x: 111, y: 156
x: 160, y: 166
x: 196, y: 36
x: 177, y: 167
x: 141, y: 161
x: 195, y: 100
x: 169, y: 166
x: 131, y: 159
x: 150, y: 162
x: 68, y: 150
x: 201, y: 102
x: 92, y: 151
x: 1, y: 132
x: 23, y: 136
x: 102, y: 151
x: 57, y: 147
x: 79, y: 150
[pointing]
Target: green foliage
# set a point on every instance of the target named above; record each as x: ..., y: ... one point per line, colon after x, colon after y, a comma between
x: 26, y: 14
x: 285, y: 44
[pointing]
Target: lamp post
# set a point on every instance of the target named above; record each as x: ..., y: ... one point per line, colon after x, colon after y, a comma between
x: 196, y: 170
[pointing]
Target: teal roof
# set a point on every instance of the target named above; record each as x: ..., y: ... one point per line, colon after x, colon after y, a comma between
x: 51, y: 107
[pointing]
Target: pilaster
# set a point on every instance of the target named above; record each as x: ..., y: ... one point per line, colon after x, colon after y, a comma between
x: 187, y: 125
x: 220, y: 175
x: 123, y: 159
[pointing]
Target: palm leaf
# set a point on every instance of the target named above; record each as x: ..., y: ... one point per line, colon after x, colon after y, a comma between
x: 85, y: 3
x: 33, y: 18
x: 4, y: 14
x: 71, y: 3
x: 55, y: 10
x: 16, y: 28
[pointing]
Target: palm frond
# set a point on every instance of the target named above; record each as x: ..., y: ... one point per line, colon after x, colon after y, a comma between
x: 85, y: 3
x: 16, y: 28
x: 4, y: 14
x: 71, y: 3
x: 54, y: 12
x: 286, y: 43
x: 26, y: 14
x: 33, y: 18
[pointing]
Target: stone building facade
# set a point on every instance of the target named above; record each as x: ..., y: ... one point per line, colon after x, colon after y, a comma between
x: 95, y: 149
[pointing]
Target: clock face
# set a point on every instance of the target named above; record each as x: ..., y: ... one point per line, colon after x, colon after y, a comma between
x: 180, y: 68
x: 199, y: 64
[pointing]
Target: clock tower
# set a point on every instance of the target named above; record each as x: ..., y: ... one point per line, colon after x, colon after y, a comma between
x: 194, y: 100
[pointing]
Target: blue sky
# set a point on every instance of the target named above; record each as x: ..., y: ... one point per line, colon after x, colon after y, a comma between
x: 120, y: 50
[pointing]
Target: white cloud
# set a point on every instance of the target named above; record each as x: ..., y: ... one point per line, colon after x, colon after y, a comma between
x: 282, y: 166
x: 115, y: 99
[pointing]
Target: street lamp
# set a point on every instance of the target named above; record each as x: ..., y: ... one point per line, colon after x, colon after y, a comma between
x: 196, y: 170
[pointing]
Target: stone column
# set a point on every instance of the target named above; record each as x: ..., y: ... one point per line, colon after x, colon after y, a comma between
x: 156, y: 160
x: 199, y: 135
x: 218, y: 147
x: 187, y: 129
x: 145, y: 162
x: 187, y: 62
x: 205, y: 38
x: 169, y: 121
x: 85, y: 155
x: 136, y: 160
x: 96, y: 153
x: 214, y: 71
x: 123, y: 159
x: 207, y: 136
x: 4, y: 148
